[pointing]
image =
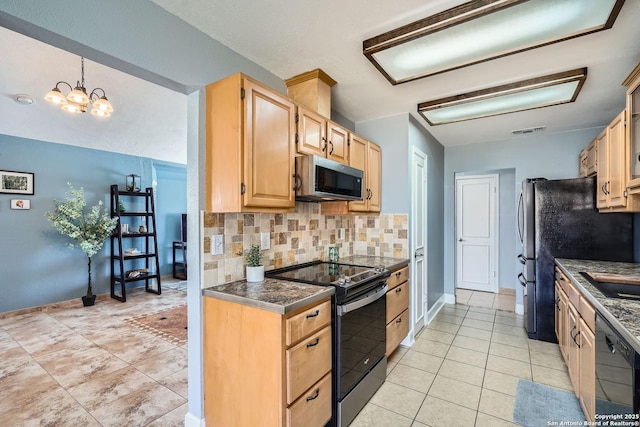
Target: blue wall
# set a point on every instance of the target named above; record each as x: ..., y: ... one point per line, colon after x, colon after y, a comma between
x: 37, y: 267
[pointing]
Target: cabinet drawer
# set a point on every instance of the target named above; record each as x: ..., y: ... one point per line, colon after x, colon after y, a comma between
x: 562, y: 280
x: 396, y: 331
x: 313, y: 408
x: 398, y: 277
x: 397, y: 301
x: 302, y: 324
x: 307, y: 362
x: 588, y: 313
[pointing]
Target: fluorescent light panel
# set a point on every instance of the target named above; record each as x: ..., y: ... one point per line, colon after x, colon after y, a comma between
x: 481, y: 30
x: 539, y: 92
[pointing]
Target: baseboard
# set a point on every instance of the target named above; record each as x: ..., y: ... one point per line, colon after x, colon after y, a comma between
x: 435, y: 309
x: 519, y: 308
x: 449, y: 298
x: 191, y: 420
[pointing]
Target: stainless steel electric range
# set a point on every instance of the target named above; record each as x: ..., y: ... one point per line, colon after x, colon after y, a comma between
x: 358, y: 330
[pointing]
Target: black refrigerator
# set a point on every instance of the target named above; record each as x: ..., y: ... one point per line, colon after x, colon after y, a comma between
x: 559, y: 219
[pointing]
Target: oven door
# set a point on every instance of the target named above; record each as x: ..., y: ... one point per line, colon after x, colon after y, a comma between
x: 360, y: 349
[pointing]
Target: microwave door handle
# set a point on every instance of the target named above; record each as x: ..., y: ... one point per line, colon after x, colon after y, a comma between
x: 344, y: 309
x: 522, y: 280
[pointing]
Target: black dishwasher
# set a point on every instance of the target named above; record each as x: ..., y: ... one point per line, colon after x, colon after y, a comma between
x: 617, y: 372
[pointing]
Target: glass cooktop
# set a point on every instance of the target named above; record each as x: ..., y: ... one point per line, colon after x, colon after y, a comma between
x: 325, y: 273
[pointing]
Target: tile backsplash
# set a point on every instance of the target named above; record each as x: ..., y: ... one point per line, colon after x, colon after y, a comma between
x: 301, y: 236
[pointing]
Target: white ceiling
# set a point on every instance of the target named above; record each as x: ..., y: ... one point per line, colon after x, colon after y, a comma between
x: 289, y: 37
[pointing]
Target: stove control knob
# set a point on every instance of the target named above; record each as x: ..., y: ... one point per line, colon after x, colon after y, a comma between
x: 347, y: 279
x: 341, y: 280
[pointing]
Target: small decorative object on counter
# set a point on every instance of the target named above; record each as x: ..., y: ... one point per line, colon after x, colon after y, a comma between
x: 255, y: 269
x: 142, y: 229
x: 334, y: 254
x: 133, y: 182
x: 121, y: 207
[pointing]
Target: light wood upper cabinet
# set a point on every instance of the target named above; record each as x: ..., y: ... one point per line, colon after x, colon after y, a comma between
x: 617, y: 182
x: 366, y: 155
x: 338, y: 140
x: 250, y: 147
x: 603, y: 170
x: 589, y: 160
x: 632, y: 82
x: 321, y: 137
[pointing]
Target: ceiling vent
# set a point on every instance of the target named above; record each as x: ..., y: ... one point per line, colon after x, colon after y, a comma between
x: 528, y: 130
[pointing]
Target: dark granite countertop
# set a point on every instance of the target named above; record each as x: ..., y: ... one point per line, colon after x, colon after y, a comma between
x: 279, y: 296
x: 624, y: 315
x: 375, y: 261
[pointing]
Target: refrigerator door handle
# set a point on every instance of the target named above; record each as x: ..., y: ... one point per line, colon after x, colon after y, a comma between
x: 522, y: 280
x: 522, y: 259
x: 520, y: 209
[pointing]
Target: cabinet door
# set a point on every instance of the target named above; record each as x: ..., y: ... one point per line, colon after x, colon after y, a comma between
x: 558, y: 314
x: 574, y: 361
x: 587, y: 393
x: 374, y: 176
x: 582, y: 163
x: 603, y: 170
x: 358, y: 160
x: 564, y: 325
x: 617, y: 182
x: 591, y: 160
x: 269, y: 139
x: 338, y: 143
x: 311, y: 133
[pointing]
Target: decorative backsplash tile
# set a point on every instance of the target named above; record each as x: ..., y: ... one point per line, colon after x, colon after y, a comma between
x: 301, y: 236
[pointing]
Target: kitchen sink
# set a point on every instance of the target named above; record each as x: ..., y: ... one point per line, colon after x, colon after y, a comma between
x: 612, y: 289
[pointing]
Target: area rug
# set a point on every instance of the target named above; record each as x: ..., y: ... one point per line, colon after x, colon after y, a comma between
x: 539, y: 405
x: 169, y: 324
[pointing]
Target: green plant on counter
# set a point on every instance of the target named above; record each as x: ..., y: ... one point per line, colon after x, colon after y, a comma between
x: 253, y: 256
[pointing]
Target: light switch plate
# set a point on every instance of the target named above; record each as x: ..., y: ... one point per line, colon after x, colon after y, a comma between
x: 217, y: 244
x: 265, y: 240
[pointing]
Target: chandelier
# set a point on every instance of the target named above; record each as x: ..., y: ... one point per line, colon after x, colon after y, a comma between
x: 77, y: 101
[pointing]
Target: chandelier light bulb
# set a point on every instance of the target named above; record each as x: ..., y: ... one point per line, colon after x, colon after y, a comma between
x: 55, y: 97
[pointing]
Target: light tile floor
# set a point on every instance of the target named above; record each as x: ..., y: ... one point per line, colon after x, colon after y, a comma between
x: 463, y: 370
x: 68, y: 365
x: 505, y: 300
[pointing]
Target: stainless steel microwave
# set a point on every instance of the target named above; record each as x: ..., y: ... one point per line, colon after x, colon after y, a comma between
x: 319, y: 179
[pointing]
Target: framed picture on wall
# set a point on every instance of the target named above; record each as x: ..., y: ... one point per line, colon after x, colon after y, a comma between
x: 12, y: 182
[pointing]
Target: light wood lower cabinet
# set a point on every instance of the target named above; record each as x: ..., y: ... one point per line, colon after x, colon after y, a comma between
x: 262, y: 368
x: 397, y: 308
x: 575, y: 324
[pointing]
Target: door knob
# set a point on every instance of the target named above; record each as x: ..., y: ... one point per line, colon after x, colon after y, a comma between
x: 461, y: 240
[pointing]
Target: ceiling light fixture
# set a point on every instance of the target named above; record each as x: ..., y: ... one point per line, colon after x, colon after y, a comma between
x: 77, y: 100
x: 528, y: 94
x: 481, y: 30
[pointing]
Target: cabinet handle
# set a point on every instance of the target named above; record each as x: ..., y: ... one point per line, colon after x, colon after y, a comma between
x: 575, y: 339
x: 313, y: 315
x: 313, y: 344
x: 558, y: 303
x: 399, y: 320
x: 297, y: 182
x: 331, y: 150
x: 399, y: 289
x: 324, y: 146
x: 315, y: 395
x: 398, y: 273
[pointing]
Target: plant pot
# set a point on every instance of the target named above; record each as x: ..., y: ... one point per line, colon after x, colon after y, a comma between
x: 255, y: 274
x: 88, y: 301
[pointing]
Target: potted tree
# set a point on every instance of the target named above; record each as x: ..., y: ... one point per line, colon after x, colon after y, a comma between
x: 255, y: 269
x: 88, y: 228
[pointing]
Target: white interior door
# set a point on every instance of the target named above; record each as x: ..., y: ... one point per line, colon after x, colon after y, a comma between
x: 418, y: 238
x: 476, y: 232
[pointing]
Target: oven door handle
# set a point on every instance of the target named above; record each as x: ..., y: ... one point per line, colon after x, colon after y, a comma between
x: 344, y: 309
